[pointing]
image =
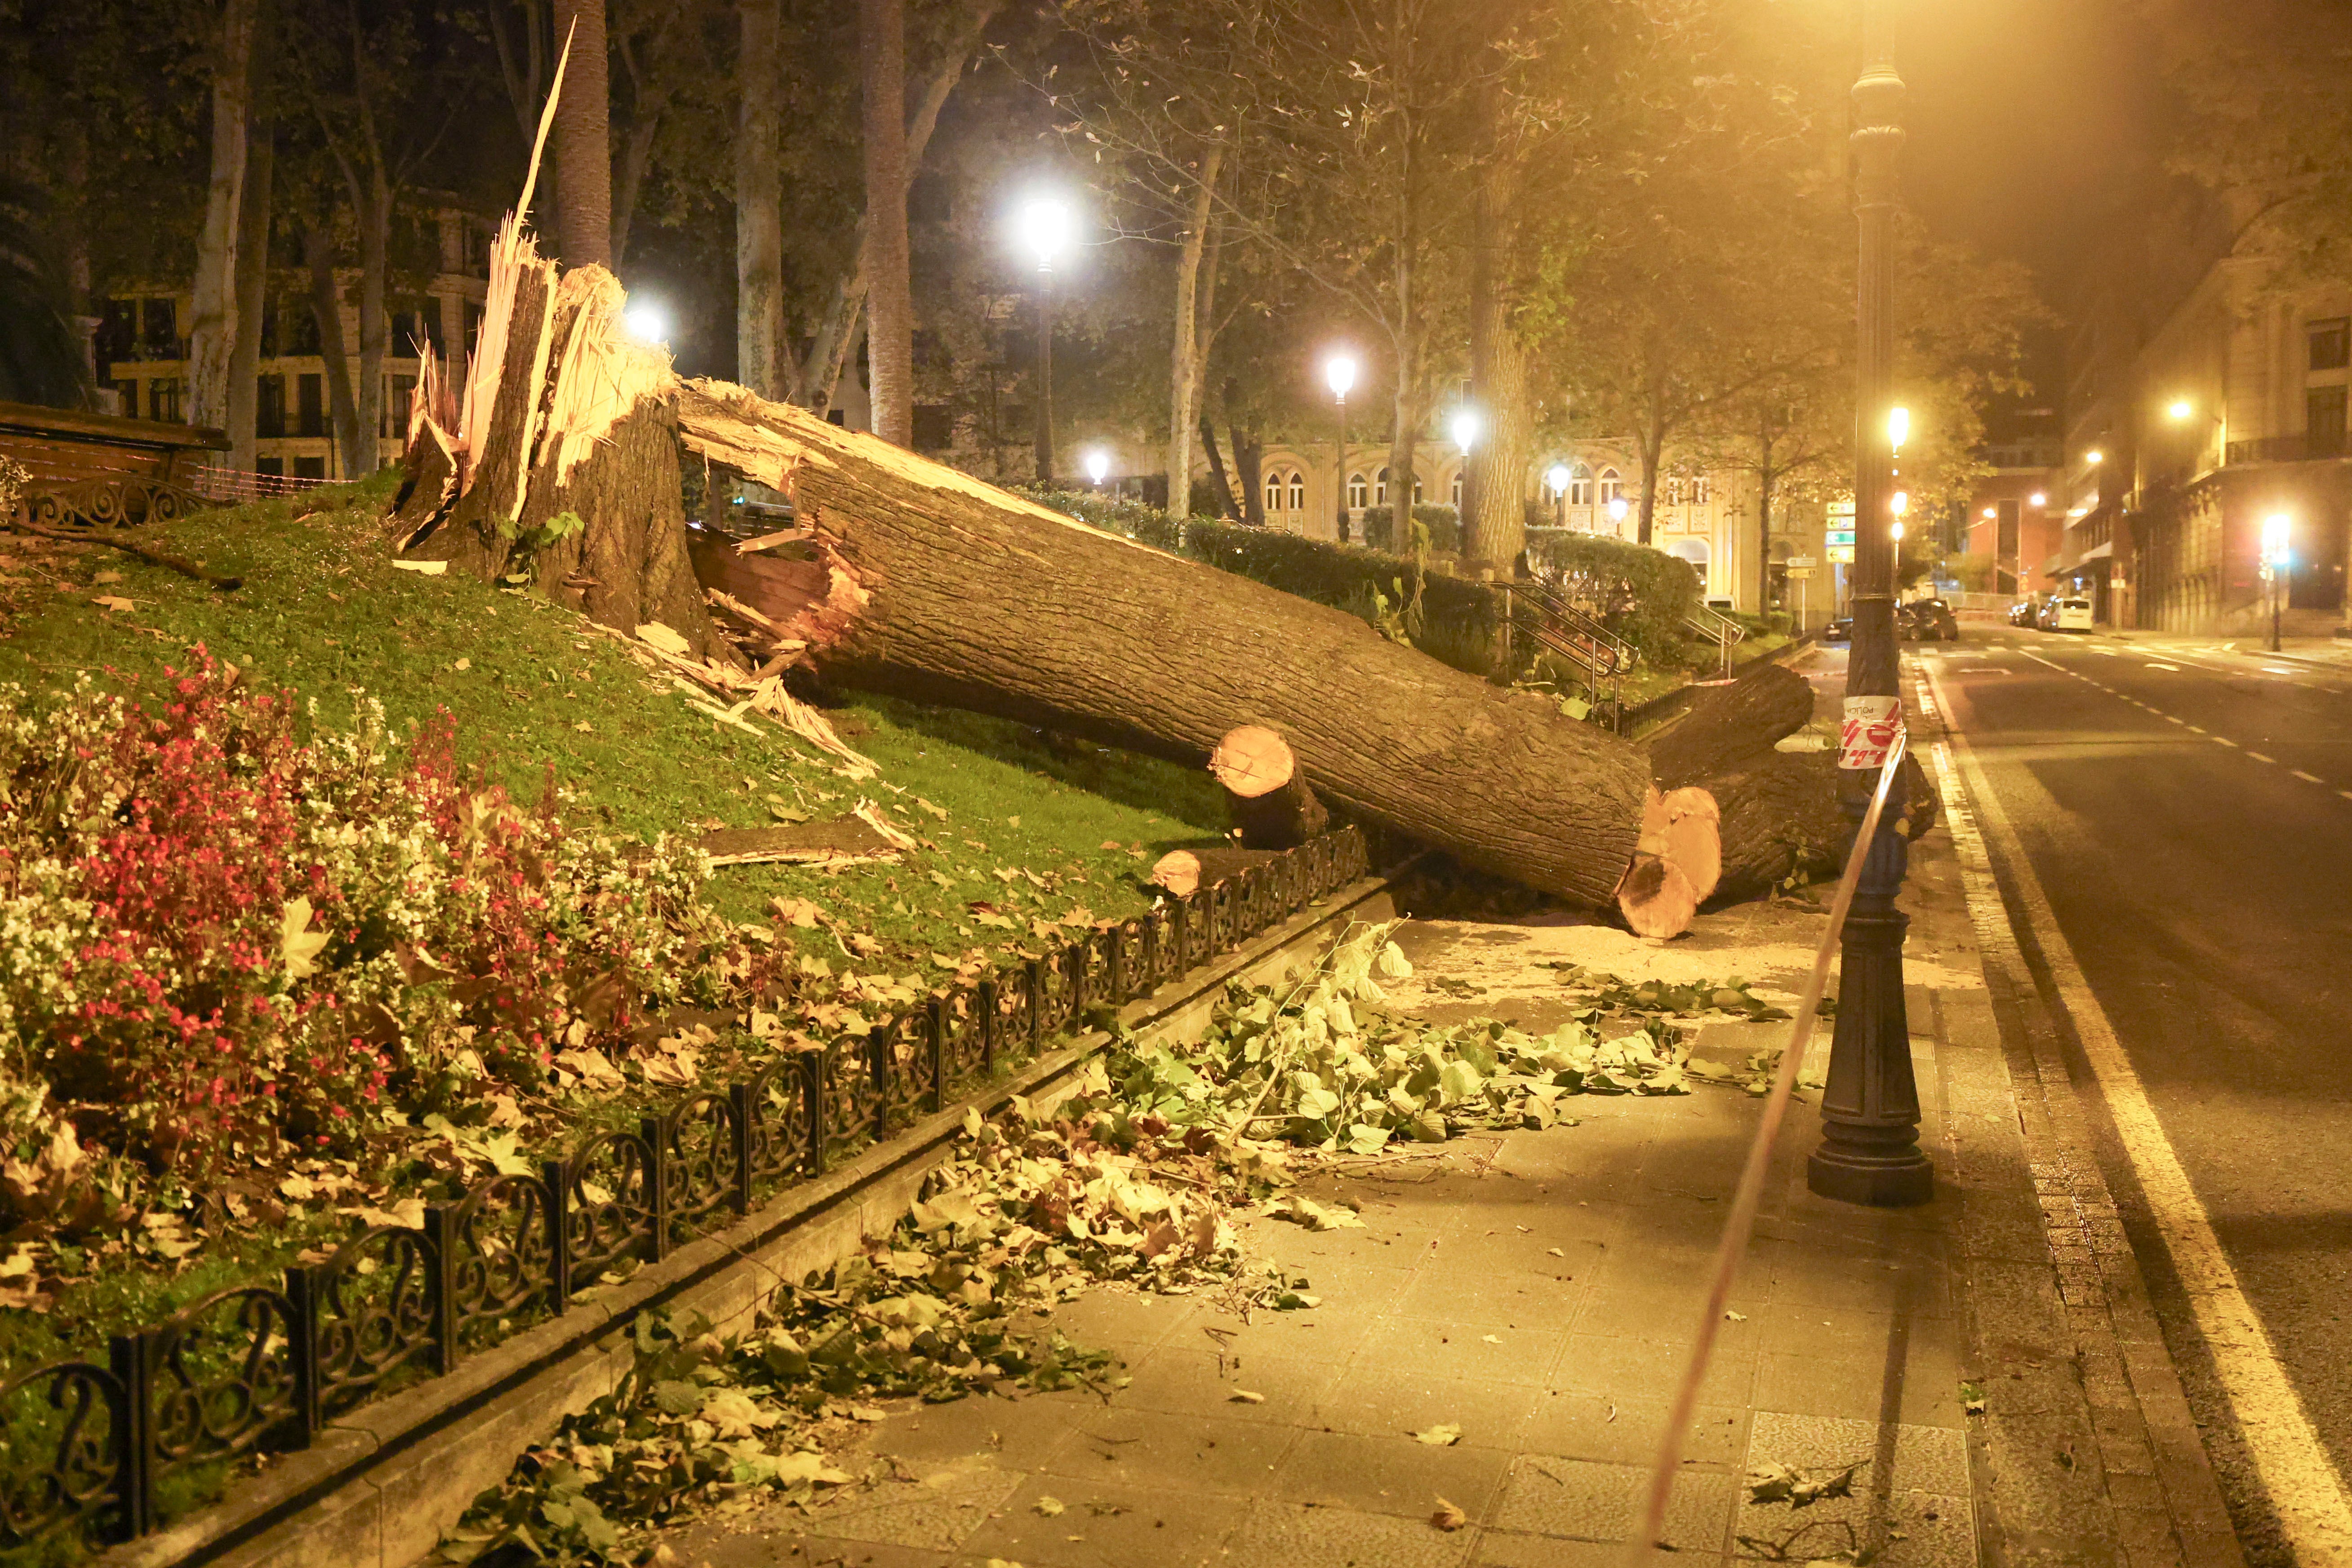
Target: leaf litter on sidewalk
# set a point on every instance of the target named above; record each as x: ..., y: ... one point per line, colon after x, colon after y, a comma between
x: 1132, y: 1180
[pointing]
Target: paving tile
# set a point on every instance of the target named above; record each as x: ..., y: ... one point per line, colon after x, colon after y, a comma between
x: 1390, y: 1402
x: 1014, y: 1433
x: 1388, y: 1475
x: 1509, y: 1549
x: 1197, y: 1382
x: 1922, y: 1381
x: 1621, y: 1366
x: 936, y: 1512
x: 1625, y: 1430
x: 1333, y: 1331
x: 1491, y: 1300
x: 786, y: 1549
x: 1103, y: 1525
x: 1499, y: 1352
x: 1917, y: 1458
x: 1285, y: 1535
x: 1905, y: 1530
x: 1123, y: 1317
x: 1547, y: 1495
x: 1157, y: 1448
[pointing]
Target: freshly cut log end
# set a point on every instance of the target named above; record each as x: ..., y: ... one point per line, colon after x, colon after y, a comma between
x: 1253, y: 761
x: 1182, y: 871
x: 1656, y: 898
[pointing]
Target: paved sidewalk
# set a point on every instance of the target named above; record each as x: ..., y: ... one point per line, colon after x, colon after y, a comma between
x: 1539, y: 1291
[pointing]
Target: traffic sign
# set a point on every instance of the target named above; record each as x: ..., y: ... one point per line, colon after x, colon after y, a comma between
x: 1840, y: 554
x: 1800, y: 572
x: 1800, y: 562
x: 1839, y: 536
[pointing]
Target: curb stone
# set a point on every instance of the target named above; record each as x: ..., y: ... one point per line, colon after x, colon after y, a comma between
x: 2087, y: 1452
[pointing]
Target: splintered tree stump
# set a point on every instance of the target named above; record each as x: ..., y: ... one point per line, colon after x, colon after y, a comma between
x: 931, y: 584
x: 1268, y: 799
x: 1181, y: 871
x: 476, y: 532
x: 427, y: 485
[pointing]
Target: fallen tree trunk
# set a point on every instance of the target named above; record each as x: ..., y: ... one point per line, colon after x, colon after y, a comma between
x: 1730, y: 724
x: 1782, y: 822
x: 931, y: 584
x: 1181, y: 871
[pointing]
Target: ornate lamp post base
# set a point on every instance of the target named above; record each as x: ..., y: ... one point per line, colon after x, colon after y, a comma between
x: 1870, y: 1150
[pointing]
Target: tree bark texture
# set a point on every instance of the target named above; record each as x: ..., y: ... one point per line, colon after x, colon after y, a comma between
x: 759, y: 201
x: 1220, y: 480
x: 252, y: 291
x: 1184, y: 357
x: 1781, y: 818
x: 890, y: 310
x: 1653, y: 452
x: 1730, y: 724
x: 584, y: 139
x: 1093, y: 634
x: 480, y: 531
x: 212, y: 328
x: 375, y: 212
x: 1249, y: 466
x: 327, y: 310
x: 1496, y: 486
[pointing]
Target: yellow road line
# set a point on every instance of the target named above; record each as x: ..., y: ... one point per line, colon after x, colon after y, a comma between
x: 2313, y: 1510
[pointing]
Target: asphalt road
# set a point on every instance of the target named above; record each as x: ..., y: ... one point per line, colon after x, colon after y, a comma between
x: 2188, y: 815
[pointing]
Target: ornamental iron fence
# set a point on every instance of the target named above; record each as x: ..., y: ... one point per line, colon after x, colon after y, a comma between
x: 93, y: 1445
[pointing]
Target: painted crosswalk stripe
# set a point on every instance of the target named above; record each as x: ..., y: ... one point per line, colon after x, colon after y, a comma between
x: 2260, y: 758
x: 2308, y: 778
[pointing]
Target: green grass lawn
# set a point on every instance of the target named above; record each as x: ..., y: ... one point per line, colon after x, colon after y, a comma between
x: 1038, y: 827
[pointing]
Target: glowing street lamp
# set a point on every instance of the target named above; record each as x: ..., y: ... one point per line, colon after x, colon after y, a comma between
x: 2179, y: 410
x: 1465, y: 429
x: 2277, y: 556
x: 1617, y: 510
x: 1044, y: 227
x: 2094, y: 456
x: 646, y: 321
x: 1340, y: 375
x: 1556, y: 477
x: 1898, y: 428
x: 1098, y: 463
x: 2038, y: 499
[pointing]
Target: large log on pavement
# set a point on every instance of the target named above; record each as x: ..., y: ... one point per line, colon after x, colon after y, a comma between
x: 925, y: 582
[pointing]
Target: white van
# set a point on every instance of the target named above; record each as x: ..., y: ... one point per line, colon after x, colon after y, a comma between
x: 2070, y: 616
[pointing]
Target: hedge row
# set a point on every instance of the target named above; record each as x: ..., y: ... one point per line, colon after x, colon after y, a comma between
x: 1443, y: 524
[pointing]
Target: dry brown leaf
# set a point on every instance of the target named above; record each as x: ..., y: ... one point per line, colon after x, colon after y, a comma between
x: 1445, y: 1516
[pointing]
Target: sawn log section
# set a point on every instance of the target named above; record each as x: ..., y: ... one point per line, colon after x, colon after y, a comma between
x: 935, y: 586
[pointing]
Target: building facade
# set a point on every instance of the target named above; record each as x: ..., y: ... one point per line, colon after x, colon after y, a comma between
x: 142, y: 349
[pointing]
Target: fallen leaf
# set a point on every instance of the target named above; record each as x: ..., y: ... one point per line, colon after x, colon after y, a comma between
x: 463, y: 664
x: 1729, y: 1317
x: 423, y: 568
x: 1047, y: 1506
x: 106, y: 577
x: 1243, y: 1396
x: 113, y: 601
x: 1972, y: 1399
x: 1444, y: 1435
x: 297, y: 943
x: 1448, y: 1517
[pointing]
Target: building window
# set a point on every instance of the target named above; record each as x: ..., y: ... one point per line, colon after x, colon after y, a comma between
x: 1457, y: 490
x: 2322, y: 420
x: 1380, y: 488
x: 1701, y: 490
x: 164, y: 399
x: 1297, y: 491
x: 273, y: 465
x: 1416, y: 490
x: 1358, y: 493
x: 1579, y: 486
x: 1612, y: 487
x: 396, y: 410
x: 310, y: 467
x: 309, y: 405
x: 269, y: 406
x: 1273, y: 491
x: 2331, y: 343
x: 158, y: 337
x: 1673, y: 492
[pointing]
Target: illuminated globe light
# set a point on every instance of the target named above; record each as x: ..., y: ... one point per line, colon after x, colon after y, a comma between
x: 1097, y: 465
x: 1465, y: 429
x: 2038, y: 499
x: 1898, y: 531
x: 1617, y: 509
x: 1340, y: 375
x: 2181, y: 409
x: 1556, y: 477
x: 2094, y: 456
x: 1899, y: 502
x: 1898, y: 427
x: 2274, y: 538
x: 645, y: 321
x: 1991, y: 511
x: 1045, y: 227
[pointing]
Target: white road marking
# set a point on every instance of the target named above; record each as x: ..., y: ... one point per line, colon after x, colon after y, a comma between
x: 2225, y: 741
x: 2154, y: 665
x: 2308, y: 778
x: 2314, y: 1511
x: 2260, y: 758
x: 2274, y: 669
x: 2196, y: 729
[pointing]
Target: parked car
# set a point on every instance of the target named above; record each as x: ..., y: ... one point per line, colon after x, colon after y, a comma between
x: 2070, y: 614
x: 1839, y: 630
x: 2023, y: 613
x: 1928, y: 620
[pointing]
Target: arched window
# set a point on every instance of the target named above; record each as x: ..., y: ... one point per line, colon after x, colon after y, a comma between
x: 1273, y: 491
x: 1358, y: 493
x: 1693, y: 550
x: 1297, y: 491
x: 1457, y: 490
x: 1673, y: 492
x: 1579, y: 486
x: 1612, y: 487
x: 1380, y: 488
x: 1702, y: 489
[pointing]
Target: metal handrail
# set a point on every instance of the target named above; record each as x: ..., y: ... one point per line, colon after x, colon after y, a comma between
x: 1719, y: 629
x: 1559, y: 627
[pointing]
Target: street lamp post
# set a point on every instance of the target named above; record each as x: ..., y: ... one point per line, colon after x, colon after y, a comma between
x: 2276, y: 558
x: 1044, y: 224
x: 1097, y: 465
x: 1340, y: 375
x: 1869, y: 1151
x: 1556, y: 477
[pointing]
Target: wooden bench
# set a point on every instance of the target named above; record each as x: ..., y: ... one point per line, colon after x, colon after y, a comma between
x: 96, y: 470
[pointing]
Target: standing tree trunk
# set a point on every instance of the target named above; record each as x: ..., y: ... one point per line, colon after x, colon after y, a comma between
x: 758, y: 196
x: 1653, y: 445
x: 583, y: 138
x: 1766, y: 474
x: 1494, y: 488
x: 1249, y: 460
x: 327, y: 309
x: 1184, y: 359
x: 1228, y: 506
x: 252, y: 292
x: 375, y: 211
x: 213, y: 331
x: 890, y: 313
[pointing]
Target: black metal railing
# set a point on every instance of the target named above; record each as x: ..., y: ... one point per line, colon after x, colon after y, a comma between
x: 89, y: 1446
x: 1541, y: 616
x: 2299, y: 448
